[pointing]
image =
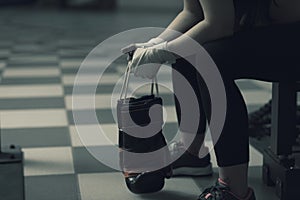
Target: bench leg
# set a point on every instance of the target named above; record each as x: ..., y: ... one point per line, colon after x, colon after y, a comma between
x: 279, y: 167
x: 284, y: 105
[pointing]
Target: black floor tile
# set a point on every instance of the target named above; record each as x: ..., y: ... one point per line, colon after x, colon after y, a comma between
x: 37, y: 137
x: 32, y: 103
x: 22, y: 81
x: 168, y: 99
x: 84, y: 162
x: 91, y: 70
x: 104, y: 116
x: 253, y: 107
x: 33, y: 65
x: 88, y: 90
x: 55, y: 187
x: 170, y: 130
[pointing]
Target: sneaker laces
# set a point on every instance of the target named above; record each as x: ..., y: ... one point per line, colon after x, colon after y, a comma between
x: 215, y: 192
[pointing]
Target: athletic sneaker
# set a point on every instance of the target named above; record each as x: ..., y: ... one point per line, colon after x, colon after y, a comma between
x: 222, y: 192
x: 188, y: 164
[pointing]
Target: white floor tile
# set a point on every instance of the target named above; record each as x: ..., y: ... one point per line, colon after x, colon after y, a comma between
x: 256, y: 97
x: 89, y: 135
x: 2, y: 65
x: 256, y: 158
x: 95, y: 61
x: 89, y: 102
x: 169, y: 114
x: 70, y: 63
x: 210, y: 145
x: 88, y: 63
x: 266, y: 85
x: 90, y: 79
x: 33, y: 118
x: 32, y: 58
x: 27, y: 91
x: 31, y: 72
x: 48, y: 161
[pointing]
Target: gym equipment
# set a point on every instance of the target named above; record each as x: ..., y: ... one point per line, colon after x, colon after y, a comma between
x: 11, y: 173
x: 133, y: 113
x: 281, y: 165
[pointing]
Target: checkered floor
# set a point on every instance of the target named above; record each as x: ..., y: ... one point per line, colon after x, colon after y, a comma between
x: 40, y: 54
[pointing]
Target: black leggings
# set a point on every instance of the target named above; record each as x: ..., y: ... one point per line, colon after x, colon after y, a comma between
x: 269, y: 54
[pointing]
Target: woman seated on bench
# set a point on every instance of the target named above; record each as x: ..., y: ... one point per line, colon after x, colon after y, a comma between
x: 246, y: 39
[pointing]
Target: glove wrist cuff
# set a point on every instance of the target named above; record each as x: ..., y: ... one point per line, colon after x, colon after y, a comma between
x: 166, y: 56
x: 156, y: 41
x: 162, y: 46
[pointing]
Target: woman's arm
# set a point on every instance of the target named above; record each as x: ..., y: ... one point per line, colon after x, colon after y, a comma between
x: 190, y: 15
x: 218, y: 22
x: 187, y: 18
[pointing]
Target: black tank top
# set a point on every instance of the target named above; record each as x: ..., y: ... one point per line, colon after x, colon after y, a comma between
x: 249, y: 13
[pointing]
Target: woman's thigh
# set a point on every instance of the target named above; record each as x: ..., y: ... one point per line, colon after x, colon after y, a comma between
x: 271, y: 54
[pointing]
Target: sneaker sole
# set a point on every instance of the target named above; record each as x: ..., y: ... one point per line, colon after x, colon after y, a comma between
x: 193, y: 171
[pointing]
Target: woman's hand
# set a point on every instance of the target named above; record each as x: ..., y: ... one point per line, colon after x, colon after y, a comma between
x: 147, y: 61
x: 134, y: 46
